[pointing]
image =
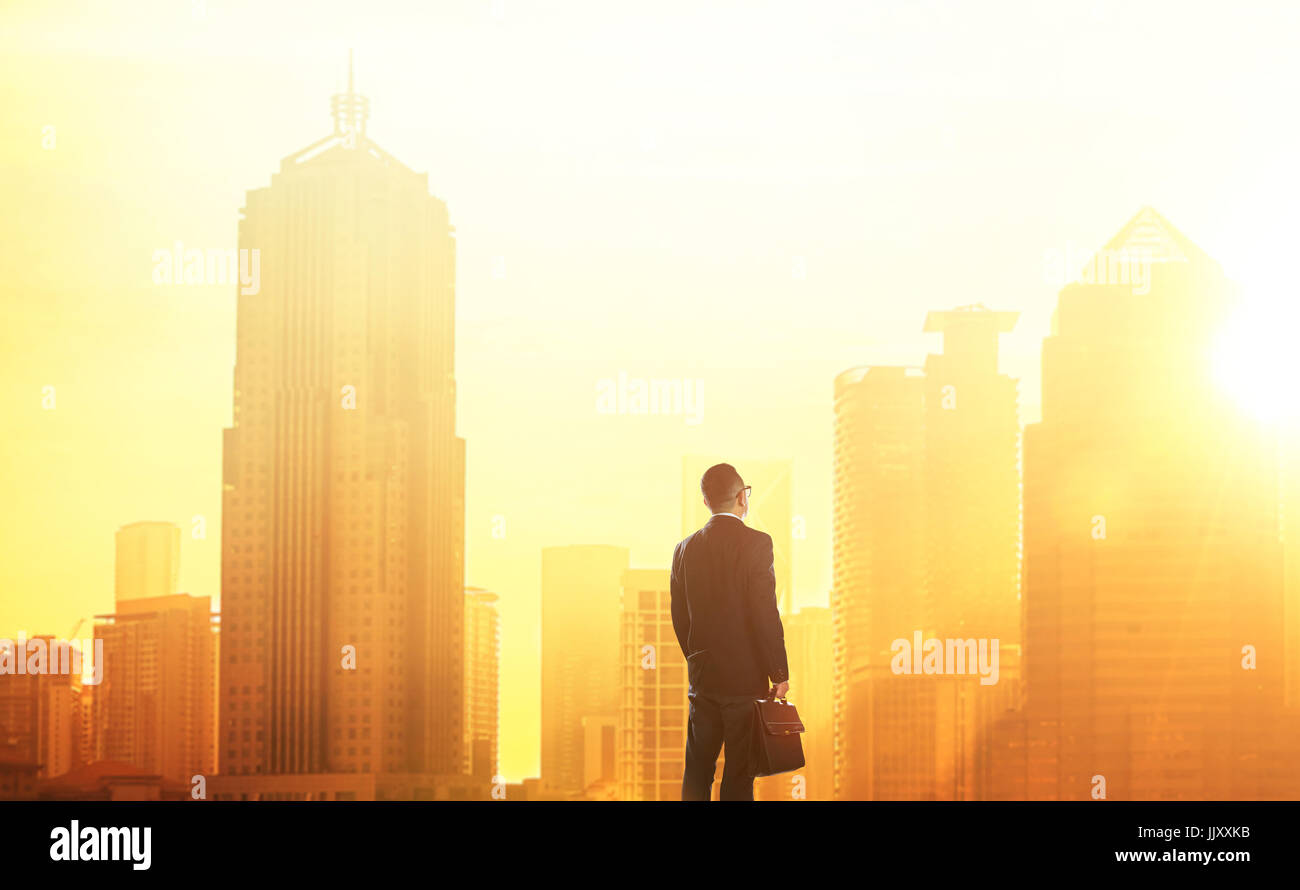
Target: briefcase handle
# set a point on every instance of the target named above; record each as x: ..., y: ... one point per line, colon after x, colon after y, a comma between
x: 771, y: 696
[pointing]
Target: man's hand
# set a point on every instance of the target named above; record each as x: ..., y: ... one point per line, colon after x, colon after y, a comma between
x: 780, y: 689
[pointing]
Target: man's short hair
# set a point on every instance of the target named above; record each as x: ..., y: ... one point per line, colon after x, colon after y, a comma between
x: 720, y: 484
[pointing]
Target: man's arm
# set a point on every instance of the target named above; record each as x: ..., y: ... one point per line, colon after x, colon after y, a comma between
x: 764, y: 613
x: 677, y: 589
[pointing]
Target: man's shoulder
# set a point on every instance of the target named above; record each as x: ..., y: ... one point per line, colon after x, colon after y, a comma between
x: 681, y: 545
x: 758, y: 538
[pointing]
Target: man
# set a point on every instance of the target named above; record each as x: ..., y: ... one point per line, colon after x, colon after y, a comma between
x: 724, y: 613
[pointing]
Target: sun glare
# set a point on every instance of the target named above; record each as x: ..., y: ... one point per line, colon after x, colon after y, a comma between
x: 1256, y: 358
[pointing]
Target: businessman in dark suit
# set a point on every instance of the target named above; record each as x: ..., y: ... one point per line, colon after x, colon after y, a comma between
x: 724, y: 612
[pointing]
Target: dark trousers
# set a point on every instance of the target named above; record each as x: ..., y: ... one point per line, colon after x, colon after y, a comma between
x: 717, y: 720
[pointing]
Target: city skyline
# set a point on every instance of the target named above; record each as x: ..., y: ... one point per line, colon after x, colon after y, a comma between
x: 133, y: 434
x: 147, y: 552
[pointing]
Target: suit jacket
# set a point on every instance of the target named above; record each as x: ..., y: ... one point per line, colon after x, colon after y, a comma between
x: 723, y: 586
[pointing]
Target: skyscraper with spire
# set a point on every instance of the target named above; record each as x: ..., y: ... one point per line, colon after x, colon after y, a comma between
x: 343, y: 532
x: 1153, y: 594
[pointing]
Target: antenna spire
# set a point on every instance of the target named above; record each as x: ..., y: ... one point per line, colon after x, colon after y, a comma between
x: 350, y: 110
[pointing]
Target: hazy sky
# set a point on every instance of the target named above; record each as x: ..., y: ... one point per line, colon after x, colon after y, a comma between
x: 650, y: 176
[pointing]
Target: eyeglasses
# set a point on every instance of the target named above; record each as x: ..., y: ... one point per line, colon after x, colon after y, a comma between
x: 748, y: 490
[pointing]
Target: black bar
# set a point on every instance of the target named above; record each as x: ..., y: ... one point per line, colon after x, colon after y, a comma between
x: 842, y: 844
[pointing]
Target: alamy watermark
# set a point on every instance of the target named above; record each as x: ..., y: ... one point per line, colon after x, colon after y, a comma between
x: 212, y: 265
x: 683, y: 397
x: 46, y: 656
x: 935, y: 656
x: 78, y: 843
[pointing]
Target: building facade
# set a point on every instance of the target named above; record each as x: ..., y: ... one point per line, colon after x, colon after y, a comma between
x: 581, y: 590
x: 809, y: 646
x: 482, y: 683
x: 653, y: 707
x: 40, y: 716
x: 147, y: 560
x: 154, y: 707
x: 343, y: 501
x: 1153, y: 588
x: 878, y: 571
x: 926, y: 541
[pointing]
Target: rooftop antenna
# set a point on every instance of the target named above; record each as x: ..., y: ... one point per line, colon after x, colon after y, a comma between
x: 350, y: 111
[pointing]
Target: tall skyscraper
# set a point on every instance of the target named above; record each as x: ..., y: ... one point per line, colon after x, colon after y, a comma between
x: 927, y: 536
x: 1153, y: 594
x: 653, y: 706
x: 155, y: 704
x: 482, y: 683
x: 148, y: 560
x: 878, y: 572
x: 770, y: 510
x: 972, y: 490
x: 972, y: 479
x: 343, y: 523
x: 581, y: 588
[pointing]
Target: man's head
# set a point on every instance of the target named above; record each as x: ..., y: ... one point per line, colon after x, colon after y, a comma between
x: 724, y: 491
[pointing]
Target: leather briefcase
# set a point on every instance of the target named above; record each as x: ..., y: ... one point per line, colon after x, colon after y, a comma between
x: 777, y: 748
